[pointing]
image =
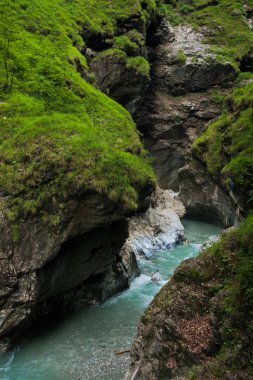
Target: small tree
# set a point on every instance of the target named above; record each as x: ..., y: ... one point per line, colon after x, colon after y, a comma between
x: 8, y: 35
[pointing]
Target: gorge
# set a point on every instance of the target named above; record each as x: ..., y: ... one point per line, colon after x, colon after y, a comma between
x: 74, y: 175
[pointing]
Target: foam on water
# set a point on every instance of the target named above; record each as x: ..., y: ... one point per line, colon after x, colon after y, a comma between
x: 83, y: 346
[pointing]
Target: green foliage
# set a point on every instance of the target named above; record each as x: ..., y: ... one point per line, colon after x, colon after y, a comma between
x: 15, y: 233
x: 244, y: 270
x: 231, y: 261
x: 9, y: 34
x: 113, y: 52
x: 60, y: 136
x: 124, y: 43
x: 230, y: 34
x: 227, y: 144
x: 129, y: 42
x: 139, y: 65
x: 181, y: 57
x: 170, y: 12
x: 235, y: 254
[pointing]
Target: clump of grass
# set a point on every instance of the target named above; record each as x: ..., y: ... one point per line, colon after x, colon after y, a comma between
x: 124, y: 43
x: 181, y: 57
x: 139, y: 64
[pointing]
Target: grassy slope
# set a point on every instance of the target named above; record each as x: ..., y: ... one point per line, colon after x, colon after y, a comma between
x: 226, y: 147
x: 232, y: 265
x: 58, y: 134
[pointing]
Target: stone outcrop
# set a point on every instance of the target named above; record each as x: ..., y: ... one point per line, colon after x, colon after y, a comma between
x: 204, y: 198
x: 172, y: 110
x: 179, y: 103
x: 113, y: 76
x: 121, y: 83
x: 157, y: 228
x: 50, y: 269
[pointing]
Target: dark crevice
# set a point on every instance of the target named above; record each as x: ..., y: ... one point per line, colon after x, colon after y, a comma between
x: 246, y: 64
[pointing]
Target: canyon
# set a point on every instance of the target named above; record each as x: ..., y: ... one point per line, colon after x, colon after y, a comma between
x: 169, y: 78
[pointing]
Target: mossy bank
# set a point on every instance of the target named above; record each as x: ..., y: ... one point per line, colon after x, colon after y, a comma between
x: 200, y: 324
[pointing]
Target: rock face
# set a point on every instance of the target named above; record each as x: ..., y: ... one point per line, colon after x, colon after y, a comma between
x: 180, y: 100
x: 178, y: 104
x: 186, y: 64
x: 123, y: 84
x: 53, y: 269
x: 113, y: 75
x: 204, y: 197
x: 159, y: 227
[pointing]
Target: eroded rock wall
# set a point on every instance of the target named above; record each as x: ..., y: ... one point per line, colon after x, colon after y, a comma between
x: 54, y: 269
x: 171, y: 107
x: 179, y: 103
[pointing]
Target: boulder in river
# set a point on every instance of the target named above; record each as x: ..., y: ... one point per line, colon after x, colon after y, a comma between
x: 157, y: 228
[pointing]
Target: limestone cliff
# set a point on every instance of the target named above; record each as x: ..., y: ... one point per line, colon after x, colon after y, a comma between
x: 172, y: 103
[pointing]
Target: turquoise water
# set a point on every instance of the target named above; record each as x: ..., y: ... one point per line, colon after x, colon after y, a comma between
x: 83, y: 346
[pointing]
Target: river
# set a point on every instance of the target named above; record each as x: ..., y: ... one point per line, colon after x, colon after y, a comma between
x: 83, y: 346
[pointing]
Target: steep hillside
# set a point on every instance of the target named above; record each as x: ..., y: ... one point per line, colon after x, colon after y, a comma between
x: 199, y: 326
x: 59, y: 135
x: 226, y: 146
x: 72, y: 167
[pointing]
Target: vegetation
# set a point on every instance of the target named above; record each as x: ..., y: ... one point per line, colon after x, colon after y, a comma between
x: 138, y: 64
x: 226, y: 146
x: 232, y: 264
x: 181, y: 57
x: 58, y: 134
x: 231, y: 37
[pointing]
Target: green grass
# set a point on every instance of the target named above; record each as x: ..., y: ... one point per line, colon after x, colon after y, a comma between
x: 227, y: 144
x: 230, y: 34
x: 231, y: 270
x: 234, y: 253
x: 60, y: 136
x: 139, y: 64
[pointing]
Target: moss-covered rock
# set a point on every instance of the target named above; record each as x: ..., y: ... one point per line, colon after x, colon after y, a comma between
x: 59, y: 135
x: 199, y: 326
x: 226, y: 145
x: 72, y: 167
